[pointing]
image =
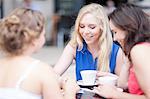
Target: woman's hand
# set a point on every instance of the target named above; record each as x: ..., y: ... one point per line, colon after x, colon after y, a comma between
x: 69, y: 86
x: 106, y: 91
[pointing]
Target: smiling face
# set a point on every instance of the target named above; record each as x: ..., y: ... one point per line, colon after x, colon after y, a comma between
x: 119, y: 35
x: 89, y: 28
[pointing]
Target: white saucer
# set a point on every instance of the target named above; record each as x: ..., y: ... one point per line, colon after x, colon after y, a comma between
x: 80, y: 82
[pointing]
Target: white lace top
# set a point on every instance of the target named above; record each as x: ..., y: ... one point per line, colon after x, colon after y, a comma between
x: 17, y: 92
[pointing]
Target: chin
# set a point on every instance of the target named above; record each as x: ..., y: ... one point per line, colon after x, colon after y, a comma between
x: 89, y: 42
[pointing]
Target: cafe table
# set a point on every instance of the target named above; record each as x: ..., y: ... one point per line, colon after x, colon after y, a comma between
x: 87, y: 95
x: 86, y: 92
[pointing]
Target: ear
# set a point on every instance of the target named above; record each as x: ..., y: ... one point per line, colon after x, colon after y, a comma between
x: 34, y: 42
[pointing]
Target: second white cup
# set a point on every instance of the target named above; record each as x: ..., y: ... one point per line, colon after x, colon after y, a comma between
x: 109, y: 80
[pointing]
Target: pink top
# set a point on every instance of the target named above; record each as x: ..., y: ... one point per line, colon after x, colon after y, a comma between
x: 133, y: 85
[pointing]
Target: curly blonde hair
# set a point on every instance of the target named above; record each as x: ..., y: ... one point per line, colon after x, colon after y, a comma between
x: 19, y: 28
x: 105, y: 40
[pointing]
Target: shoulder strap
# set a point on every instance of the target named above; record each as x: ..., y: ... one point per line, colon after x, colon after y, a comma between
x: 26, y: 73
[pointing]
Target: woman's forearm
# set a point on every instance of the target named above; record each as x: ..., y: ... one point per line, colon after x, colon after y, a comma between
x: 123, y: 78
x: 124, y: 95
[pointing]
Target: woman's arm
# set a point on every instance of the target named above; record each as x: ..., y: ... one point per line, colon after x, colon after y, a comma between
x: 111, y: 92
x: 70, y: 88
x: 123, y: 77
x: 119, y: 61
x: 122, y: 68
x: 140, y: 55
x: 50, y: 88
x: 50, y: 85
x: 65, y: 60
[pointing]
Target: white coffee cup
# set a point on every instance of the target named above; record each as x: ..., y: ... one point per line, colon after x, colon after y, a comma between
x: 108, y: 80
x: 88, y: 77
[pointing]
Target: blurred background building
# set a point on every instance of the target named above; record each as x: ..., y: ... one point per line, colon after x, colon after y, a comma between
x: 61, y: 14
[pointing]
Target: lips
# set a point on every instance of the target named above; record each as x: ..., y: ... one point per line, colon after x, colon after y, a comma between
x: 88, y: 38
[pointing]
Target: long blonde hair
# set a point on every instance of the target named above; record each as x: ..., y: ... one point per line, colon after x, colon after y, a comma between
x: 105, y: 40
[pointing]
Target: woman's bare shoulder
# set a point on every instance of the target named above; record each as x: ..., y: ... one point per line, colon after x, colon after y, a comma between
x: 44, y: 70
x: 140, y: 54
x: 70, y: 49
x: 140, y: 49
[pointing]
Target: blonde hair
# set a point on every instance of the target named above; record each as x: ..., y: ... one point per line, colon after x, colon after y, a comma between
x: 19, y: 29
x: 105, y: 40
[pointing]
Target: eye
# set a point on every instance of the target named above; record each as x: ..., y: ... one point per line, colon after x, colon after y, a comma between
x: 81, y: 26
x: 92, y: 27
x: 114, y: 32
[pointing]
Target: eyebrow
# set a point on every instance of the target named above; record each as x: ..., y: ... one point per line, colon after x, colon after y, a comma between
x: 92, y: 24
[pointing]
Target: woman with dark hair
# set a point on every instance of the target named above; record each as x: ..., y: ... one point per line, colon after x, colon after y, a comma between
x: 131, y: 28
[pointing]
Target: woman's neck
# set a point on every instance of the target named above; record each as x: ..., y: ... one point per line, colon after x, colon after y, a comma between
x: 16, y: 57
x: 25, y: 54
x: 94, y: 49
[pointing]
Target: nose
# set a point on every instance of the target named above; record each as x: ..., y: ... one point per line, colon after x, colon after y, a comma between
x: 114, y: 38
x: 86, y: 31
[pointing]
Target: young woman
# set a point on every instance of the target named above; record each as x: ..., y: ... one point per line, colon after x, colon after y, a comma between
x: 22, y: 77
x: 91, y: 45
x: 131, y: 28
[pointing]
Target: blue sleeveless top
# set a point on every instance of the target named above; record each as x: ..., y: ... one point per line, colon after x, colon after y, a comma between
x: 85, y: 61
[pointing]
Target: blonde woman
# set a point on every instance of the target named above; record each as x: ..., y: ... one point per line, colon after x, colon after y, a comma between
x: 91, y: 45
x: 22, y: 77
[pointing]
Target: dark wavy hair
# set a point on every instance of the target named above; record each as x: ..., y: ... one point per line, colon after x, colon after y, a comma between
x: 132, y: 19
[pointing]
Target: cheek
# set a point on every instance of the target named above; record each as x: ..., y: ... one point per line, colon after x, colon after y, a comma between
x: 115, y: 37
x: 81, y: 31
x: 97, y: 32
x: 97, y: 35
x: 121, y: 37
x: 44, y: 39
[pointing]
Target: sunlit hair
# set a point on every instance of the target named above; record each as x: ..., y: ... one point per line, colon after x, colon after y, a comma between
x: 135, y: 22
x: 105, y: 40
x: 19, y: 29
